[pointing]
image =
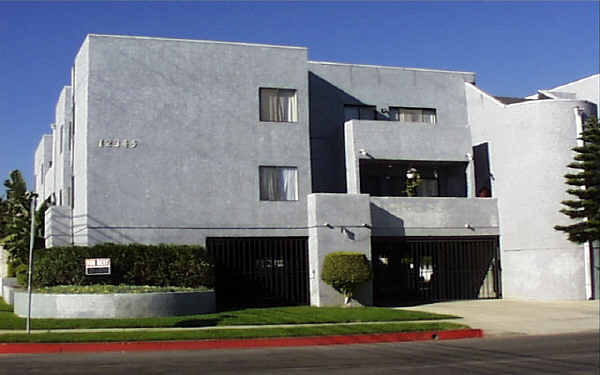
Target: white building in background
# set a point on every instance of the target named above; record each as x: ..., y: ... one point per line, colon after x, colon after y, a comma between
x: 529, y: 142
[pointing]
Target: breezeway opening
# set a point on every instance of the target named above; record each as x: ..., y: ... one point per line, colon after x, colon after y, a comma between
x: 260, y: 271
x: 411, y: 270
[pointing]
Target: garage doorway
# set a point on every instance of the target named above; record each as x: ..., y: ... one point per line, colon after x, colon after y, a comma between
x: 260, y: 271
x: 410, y: 270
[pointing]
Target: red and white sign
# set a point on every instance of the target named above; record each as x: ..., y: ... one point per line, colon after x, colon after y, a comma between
x: 97, y: 266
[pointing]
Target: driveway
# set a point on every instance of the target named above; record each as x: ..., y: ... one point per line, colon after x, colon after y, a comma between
x: 502, y: 317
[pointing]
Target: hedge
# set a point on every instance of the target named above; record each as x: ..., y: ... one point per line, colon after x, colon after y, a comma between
x: 133, y: 264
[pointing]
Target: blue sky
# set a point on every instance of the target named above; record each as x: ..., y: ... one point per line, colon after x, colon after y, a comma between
x: 514, y: 47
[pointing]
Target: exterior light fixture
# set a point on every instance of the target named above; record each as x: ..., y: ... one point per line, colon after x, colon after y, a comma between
x: 363, y: 152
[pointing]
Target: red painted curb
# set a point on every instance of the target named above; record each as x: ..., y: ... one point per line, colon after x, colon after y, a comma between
x: 136, y: 346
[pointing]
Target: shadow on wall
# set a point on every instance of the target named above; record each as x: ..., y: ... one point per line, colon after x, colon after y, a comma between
x: 326, y: 109
x: 385, y: 223
x: 100, y: 232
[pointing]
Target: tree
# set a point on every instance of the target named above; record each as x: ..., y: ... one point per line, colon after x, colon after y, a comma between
x: 15, y: 221
x: 585, y: 187
x: 3, y: 216
x: 346, y: 271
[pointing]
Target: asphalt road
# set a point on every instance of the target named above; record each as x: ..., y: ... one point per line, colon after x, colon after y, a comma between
x: 558, y: 354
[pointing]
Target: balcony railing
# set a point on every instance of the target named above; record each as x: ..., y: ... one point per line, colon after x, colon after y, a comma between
x: 428, y: 216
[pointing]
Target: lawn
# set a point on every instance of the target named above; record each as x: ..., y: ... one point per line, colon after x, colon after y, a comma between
x: 263, y: 316
x: 243, y: 333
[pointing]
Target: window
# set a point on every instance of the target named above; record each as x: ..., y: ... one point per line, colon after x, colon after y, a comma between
x: 278, y: 183
x: 278, y: 105
x: 62, y: 132
x: 359, y: 112
x: 425, y: 115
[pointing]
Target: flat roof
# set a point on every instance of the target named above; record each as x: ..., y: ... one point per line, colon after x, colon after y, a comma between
x: 194, y: 41
x: 390, y: 67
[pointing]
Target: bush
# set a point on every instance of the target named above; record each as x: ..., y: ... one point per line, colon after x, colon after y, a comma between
x: 134, y: 264
x: 21, y: 273
x: 346, y: 271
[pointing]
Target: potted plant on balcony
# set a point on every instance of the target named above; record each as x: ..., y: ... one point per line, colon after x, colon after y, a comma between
x: 413, y: 180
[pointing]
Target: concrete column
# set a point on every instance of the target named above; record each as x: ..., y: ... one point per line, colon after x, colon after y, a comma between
x: 3, y: 263
x: 337, y: 222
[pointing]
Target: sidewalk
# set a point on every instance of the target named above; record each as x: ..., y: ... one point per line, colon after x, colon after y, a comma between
x: 503, y: 317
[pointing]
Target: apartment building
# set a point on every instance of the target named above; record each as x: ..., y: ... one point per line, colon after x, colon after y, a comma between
x: 273, y: 161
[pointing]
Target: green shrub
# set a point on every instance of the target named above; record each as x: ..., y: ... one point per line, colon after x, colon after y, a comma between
x: 21, y: 273
x: 346, y: 271
x: 11, y: 269
x: 133, y: 264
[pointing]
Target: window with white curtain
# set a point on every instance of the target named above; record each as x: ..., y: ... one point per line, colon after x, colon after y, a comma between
x: 278, y: 105
x: 278, y: 183
x: 425, y: 115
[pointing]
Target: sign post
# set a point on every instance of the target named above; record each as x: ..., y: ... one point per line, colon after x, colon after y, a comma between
x: 31, y: 241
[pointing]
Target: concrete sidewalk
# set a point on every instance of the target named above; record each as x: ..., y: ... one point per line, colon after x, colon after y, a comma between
x: 502, y: 317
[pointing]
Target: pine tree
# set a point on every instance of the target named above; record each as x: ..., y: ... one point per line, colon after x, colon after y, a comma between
x: 15, y: 220
x: 585, y: 186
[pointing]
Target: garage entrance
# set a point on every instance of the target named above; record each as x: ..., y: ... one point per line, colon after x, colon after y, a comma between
x: 423, y: 269
x: 260, y: 271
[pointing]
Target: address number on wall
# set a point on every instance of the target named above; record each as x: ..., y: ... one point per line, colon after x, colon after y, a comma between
x: 116, y: 143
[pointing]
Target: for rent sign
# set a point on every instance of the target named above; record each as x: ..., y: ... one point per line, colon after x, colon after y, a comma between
x: 97, y: 266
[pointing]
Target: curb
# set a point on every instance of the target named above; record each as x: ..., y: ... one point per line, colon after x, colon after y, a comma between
x: 139, y: 346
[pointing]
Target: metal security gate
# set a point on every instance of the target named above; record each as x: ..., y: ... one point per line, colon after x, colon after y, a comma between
x: 260, y: 271
x: 417, y: 269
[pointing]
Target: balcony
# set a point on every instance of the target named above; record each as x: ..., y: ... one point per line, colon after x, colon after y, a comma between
x: 442, y: 153
x: 397, y: 140
x: 434, y: 216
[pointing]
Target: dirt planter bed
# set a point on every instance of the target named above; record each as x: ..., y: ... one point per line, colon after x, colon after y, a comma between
x: 126, y: 305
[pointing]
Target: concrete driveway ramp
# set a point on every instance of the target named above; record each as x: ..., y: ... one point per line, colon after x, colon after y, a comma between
x: 519, y: 317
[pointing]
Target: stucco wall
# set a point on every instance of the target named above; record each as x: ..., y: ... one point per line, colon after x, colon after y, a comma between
x: 193, y: 109
x: 80, y: 155
x: 338, y: 222
x: 530, y: 146
x: 58, y: 230
x: 43, y: 157
x: 587, y: 88
x: 61, y: 152
x: 420, y: 216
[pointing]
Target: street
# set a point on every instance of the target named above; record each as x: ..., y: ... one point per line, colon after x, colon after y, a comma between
x: 556, y: 354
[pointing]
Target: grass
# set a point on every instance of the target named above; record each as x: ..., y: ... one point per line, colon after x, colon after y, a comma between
x: 245, y: 333
x: 264, y: 316
x: 110, y: 289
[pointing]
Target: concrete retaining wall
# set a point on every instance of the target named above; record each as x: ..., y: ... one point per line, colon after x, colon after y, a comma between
x: 8, y: 287
x: 115, y: 305
x: 3, y: 263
